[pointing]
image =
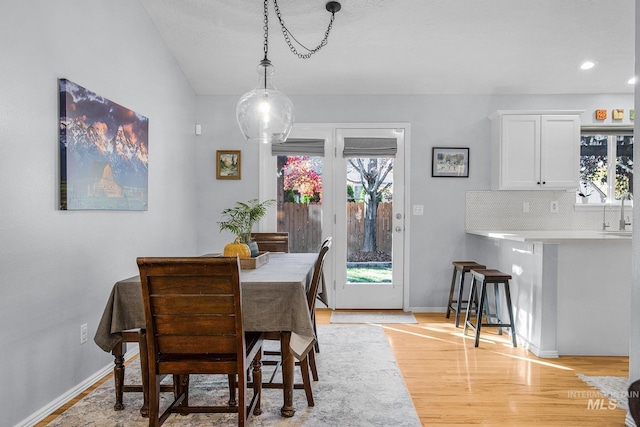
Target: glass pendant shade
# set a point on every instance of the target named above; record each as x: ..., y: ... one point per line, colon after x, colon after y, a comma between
x: 265, y: 114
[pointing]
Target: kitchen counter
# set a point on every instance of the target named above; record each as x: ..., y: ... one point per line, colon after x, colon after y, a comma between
x: 553, y: 236
x: 570, y: 289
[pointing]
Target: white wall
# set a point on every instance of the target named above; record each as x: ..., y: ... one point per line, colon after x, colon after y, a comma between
x: 438, y: 237
x: 56, y: 267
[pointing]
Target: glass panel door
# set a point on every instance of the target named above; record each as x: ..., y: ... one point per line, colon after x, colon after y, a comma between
x: 369, y: 208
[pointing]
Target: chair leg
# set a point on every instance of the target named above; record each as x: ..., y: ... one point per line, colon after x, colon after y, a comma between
x: 257, y: 383
x: 154, y: 401
x: 233, y: 383
x: 471, y: 303
x: 483, y: 297
x: 316, y: 346
x: 180, y: 387
x: 510, y: 310
x: 306, y: 381
x: 312, y: 364
x: 460, y: 295
x: 453, y: 284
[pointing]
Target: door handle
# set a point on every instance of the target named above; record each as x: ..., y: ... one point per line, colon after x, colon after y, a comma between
x: 398, y: 229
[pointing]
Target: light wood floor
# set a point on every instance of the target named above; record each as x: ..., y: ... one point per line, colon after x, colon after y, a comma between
x: 453, y: 383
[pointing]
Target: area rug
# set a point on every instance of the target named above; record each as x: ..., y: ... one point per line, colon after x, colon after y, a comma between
x: 359, y: 385
x: 612, y: 388
x: 372, y: 317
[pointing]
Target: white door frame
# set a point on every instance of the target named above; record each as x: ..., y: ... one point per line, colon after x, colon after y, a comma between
x: 327, y: 131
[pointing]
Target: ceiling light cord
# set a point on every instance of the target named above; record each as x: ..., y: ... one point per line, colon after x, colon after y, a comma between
x: 332, y: 7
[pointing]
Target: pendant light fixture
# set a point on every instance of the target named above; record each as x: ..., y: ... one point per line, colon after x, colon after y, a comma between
x: 266, y: 114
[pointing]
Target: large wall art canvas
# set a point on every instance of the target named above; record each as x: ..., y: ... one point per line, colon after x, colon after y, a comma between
x: 104, y: 152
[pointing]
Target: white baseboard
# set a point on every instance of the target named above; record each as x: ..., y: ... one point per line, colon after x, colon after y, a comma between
x: 61, y: 400
x: 428, y: 309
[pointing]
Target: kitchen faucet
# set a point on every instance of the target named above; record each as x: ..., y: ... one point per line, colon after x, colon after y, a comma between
x: 623, y: 222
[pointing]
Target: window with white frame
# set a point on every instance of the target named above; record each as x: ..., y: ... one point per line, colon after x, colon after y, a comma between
x: 606, y: 163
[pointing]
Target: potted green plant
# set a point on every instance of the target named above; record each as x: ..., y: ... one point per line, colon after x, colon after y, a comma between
x: 240, y: 220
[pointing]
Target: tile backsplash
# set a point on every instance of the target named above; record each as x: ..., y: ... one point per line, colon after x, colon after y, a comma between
x: 503, y: 210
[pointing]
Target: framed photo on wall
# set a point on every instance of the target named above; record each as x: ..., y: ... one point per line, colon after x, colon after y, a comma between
x: 450, y: 162
x: 228, y: 164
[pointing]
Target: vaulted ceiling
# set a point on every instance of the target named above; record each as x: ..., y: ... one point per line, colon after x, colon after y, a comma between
x: 405, y: 46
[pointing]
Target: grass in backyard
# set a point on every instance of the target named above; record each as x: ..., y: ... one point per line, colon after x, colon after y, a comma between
x: 369, y: 275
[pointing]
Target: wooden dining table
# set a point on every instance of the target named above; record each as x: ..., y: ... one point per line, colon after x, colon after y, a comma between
x: 274, y: 299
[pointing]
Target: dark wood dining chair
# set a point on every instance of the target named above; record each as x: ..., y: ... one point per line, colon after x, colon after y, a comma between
x: 193, y: 316
x: 322, y: 296
x: 272, y: 242
x: 309, y: 361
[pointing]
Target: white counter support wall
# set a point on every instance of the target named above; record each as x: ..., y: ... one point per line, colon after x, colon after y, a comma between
x: 569, y: 298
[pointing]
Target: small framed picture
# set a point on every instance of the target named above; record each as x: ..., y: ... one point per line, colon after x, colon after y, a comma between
x: 450, y: 162
x: 228, y: 164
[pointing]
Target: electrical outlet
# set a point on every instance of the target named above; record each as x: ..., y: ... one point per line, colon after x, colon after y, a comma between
x: 525, y: 207
x: 553, y: 206
x: 418, y: 209
x: 83, y: 333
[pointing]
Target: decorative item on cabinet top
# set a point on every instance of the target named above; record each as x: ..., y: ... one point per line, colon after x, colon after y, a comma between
x: 617, y: 114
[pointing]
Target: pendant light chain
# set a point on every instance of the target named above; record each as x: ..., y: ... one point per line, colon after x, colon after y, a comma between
x: 288, y: 36
x: 266, y: 28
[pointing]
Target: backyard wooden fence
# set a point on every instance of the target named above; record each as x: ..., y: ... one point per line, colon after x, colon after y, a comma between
x: 303, y: 222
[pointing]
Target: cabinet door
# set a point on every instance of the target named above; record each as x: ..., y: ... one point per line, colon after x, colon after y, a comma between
x: 559, y: 151
x: 520, y: 152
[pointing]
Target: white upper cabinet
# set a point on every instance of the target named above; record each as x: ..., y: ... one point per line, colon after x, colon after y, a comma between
x: 535, y: 150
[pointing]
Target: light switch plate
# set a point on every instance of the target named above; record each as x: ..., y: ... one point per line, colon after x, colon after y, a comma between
x: 525, y: 207
x: 418, y: 209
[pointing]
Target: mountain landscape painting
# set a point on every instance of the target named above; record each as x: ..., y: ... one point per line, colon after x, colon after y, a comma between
x: 104, y: 152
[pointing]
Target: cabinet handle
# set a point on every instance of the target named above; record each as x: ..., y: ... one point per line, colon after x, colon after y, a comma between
x: 538, y: 182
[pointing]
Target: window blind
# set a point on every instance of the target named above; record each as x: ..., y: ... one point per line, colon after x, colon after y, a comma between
x: 370, y: 147
x: 299, y: 147
x: 606, y: 130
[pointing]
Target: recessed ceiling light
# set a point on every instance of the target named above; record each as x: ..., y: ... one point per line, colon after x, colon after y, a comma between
x: 633, y: 80
x: 587, y: 65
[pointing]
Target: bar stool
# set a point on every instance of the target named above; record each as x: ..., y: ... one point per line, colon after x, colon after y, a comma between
x: 484, y: 277
x: 459, y: 270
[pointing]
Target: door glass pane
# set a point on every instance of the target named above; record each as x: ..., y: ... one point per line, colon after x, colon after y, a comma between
x: 369, y: 220
x: 299, y: 201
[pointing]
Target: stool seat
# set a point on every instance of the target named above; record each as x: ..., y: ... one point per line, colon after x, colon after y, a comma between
x: 459, y: 270
x: 480, y: 278
x: 488, y: 274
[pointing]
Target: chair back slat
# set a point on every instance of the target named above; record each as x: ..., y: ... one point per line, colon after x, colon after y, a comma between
x: 193, y: 325
x: 201, y: 344
x: 186, y: 305
x: 272, y: 242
